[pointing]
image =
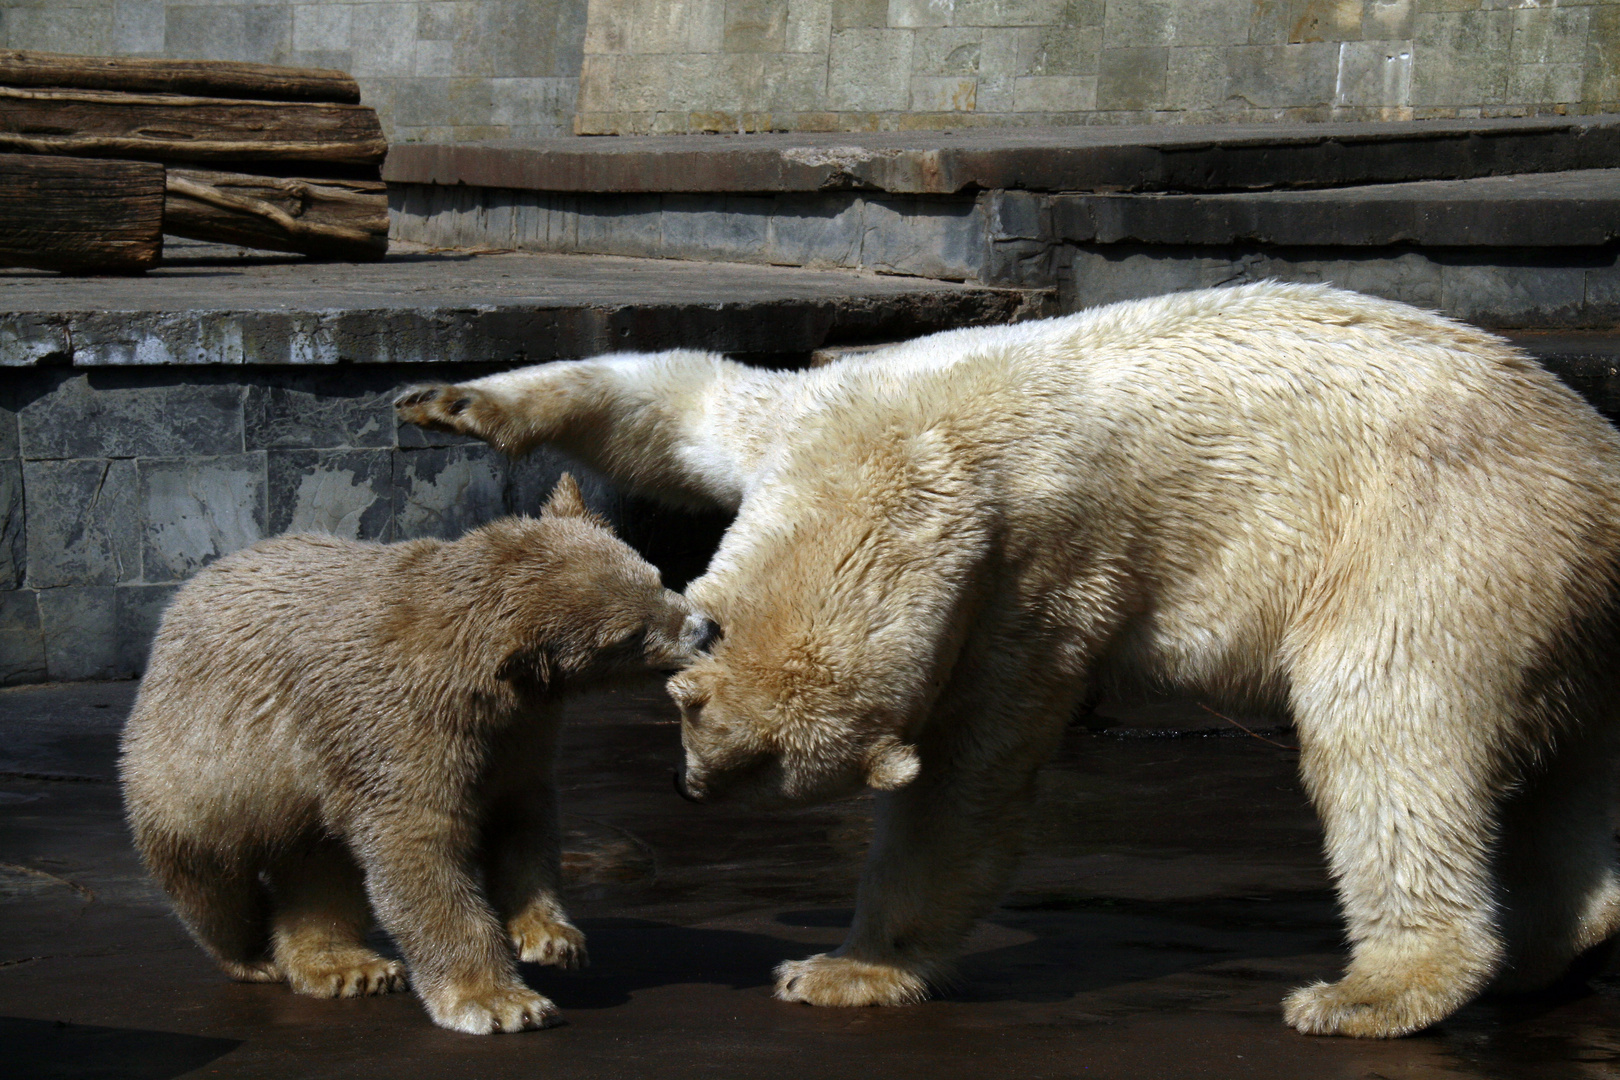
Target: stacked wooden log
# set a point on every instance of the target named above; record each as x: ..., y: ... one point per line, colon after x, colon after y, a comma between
x: 100, y: 156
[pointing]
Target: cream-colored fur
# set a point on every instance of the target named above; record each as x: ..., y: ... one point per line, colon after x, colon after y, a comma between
x: 329, y: 729
x: 1395, y: 527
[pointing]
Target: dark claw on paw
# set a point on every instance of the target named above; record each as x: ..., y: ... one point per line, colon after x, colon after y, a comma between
x: 457, y: 406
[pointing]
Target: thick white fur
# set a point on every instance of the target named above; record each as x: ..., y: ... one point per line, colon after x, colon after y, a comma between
x: 1391, y: 525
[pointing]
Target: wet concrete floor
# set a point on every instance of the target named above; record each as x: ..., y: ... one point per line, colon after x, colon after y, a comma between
x: 1173, y: 894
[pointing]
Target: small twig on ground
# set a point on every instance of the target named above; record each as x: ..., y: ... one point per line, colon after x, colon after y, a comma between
x: 1247, y: 731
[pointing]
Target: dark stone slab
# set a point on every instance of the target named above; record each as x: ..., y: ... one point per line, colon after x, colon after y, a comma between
x: 1170, y: 157
x: 1572, y: 209
x: 505, y: 308
x: 444, y: 491
x: 83, y: 522
x: 13, y: 534
x: 80, y: 627
x: 348, y: 493
x: 100, y: 416
x: 318, y: 410
x: 22, y: 646
x: 138, y: 609
x: 195, y: 509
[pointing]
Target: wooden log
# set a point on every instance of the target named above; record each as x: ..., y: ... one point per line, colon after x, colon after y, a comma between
x: 174, y: 127
x: 200, y: 78
x: 331, y: 219
x: 80, y: 216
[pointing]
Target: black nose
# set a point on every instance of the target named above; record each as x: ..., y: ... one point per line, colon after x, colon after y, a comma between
x: 708, y: 635
x: 680, y: 787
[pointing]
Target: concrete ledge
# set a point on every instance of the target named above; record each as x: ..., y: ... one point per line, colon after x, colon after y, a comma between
x: 1570, y: 209
x: 1178, y: 158
x: 435, y: 306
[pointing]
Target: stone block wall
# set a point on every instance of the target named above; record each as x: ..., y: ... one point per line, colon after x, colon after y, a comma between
x: 435, y: 70
x: 454, y: 70
x: 118, y: 485
x: 861, y: 65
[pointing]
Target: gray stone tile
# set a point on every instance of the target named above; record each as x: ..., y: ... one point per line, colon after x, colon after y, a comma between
x: 1283, y: 76
x: 860, y: 14
x: 1528, y: 296
x: 761, y: 25
x: 317, y: 413
x: 22, y: 646
x: 444, y: 491
x: 13, y: 535
x: 59, y: 27
x: 80, y: 628
x: 702, y: 227
x: 87, y: 417
x: 621, y: 225
x: 255, y: 33
x: 1132, y: 78
x: 1462, y: 57
x: 869, y: 70
x: 195, y: 509
x: 137, y: 612
x: 9, y: 447
x: 347, y: 493
x: 816, y: 230
x: 925, y: 238
x: 1603, y: 295
x: 83, y: 522
x: 138, y: 27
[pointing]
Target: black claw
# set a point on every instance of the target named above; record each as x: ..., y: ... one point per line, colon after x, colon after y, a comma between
x: 458, y: 405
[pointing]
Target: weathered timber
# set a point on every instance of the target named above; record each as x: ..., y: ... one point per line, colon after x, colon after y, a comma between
x: 202, y: 78
x: 80, y: 216
x: 175, y: 127
x: 332, y: 219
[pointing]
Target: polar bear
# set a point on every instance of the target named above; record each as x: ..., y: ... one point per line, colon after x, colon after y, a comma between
x: 1395, y: 527
x: 329, y: 729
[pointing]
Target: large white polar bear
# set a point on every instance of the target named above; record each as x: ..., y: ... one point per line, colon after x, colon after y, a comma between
x: 1397, y: 528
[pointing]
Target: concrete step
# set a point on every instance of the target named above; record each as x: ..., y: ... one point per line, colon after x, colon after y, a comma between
x: 1509, y: 224
x: 1189, y: 157
x: 214, y: 305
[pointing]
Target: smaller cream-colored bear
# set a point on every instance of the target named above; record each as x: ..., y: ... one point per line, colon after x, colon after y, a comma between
x: 325, y: 723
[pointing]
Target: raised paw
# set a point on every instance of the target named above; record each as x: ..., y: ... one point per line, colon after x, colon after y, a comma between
x: 542, y: 940
x: 825, y: 979
x: 345, y: 972
x: 486, y: 1012
x: 1365, y: 1008
x: 439, y: 406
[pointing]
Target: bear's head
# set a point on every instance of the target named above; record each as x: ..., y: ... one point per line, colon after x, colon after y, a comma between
x: 842, y: 595
x: 577, y: 603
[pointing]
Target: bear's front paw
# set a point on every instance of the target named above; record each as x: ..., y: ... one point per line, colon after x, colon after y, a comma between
x: 541, y: 940
x: 825, y: 979
x: 485, y: 1012
x: 343, y: 972
x: 440, y: 407
x: 1364, y: 1008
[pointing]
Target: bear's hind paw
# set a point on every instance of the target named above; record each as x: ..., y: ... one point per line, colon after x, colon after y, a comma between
x: 539, y: 940
x: 439, y: 407
x: 503, y: 1008
x: 344, y: 973
x: 825, y: 979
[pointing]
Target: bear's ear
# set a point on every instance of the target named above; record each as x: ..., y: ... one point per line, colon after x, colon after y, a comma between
x: 892, y: 765
x: 565, y: 501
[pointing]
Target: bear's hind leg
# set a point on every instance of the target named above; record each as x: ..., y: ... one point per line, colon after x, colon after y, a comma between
x: 321, y: 919
x: 221, y: 901
x: 1560, y: 890
x: 1409, y: 821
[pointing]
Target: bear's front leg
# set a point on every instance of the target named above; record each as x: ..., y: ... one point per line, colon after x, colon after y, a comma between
x: 417, y: 864
x: 945, y: 848
x: 523, y: 857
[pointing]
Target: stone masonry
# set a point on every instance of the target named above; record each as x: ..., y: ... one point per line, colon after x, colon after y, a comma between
x: 117, y: 485
x: 863, y: 65
x: 465, y: 69
x: 480, y: 69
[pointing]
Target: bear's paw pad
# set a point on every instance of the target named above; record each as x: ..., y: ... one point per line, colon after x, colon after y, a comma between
x: 345, y: 973
x: 539, y: 940
x: 1362, y: 1009
x: 838, y: 980
x: 501, y: 1009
